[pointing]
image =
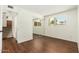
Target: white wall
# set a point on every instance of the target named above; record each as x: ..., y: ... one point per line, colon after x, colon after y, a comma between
x: 78, y: 27
x: 67, y: 31
x: 24, y: 25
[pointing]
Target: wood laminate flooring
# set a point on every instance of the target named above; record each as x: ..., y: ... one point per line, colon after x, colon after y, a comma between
x: 39, y: 44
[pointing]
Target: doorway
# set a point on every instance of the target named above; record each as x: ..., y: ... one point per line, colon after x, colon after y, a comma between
x: 9, y: 33
x: 38, y: 27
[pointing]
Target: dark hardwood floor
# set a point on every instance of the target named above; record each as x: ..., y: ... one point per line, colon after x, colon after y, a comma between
x: 40, y: 44
x: 9, y: 45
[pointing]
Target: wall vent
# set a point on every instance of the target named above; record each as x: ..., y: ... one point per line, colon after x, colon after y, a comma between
x: 11, y: 7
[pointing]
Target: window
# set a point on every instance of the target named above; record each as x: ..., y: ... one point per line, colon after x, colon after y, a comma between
x: 37, y: 22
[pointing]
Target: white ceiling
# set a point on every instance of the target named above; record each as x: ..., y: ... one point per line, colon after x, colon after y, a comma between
x: 46, y: 9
